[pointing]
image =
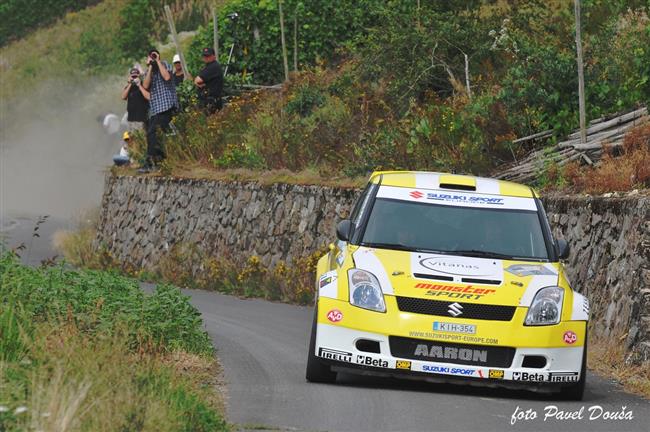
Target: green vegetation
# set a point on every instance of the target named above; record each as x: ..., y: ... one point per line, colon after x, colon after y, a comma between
x: 20, y: 16
x: 87, y: 350
x: 446, y: 87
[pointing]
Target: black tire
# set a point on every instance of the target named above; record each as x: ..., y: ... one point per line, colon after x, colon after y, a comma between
x: 575, y: 392
x: 316, y: 370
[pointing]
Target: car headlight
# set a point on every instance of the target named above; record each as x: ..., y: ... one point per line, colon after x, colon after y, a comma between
x: 546, y: 307
x: 365, y: 291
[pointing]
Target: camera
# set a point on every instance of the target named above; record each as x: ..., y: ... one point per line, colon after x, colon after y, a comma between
x: 133, y: 81
x: 233, y: 16
x: 154, y: 56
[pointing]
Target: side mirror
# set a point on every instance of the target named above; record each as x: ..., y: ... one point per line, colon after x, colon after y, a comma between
x: 344, y: 230
x: 563, y: 248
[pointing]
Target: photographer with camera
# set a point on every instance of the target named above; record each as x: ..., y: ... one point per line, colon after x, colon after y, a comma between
x: 210, y: 82
x: 163, y: 104
x: 137, y: 101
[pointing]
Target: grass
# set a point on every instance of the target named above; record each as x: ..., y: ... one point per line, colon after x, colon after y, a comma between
x: 309, y: 176
x: 88, y: 350
x: 608, y: 357
x: 55, y: 52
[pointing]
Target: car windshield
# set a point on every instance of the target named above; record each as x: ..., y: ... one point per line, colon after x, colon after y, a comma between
x: 495, y: 233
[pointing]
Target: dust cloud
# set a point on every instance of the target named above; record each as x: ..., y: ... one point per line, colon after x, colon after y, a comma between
x: 53, y: 149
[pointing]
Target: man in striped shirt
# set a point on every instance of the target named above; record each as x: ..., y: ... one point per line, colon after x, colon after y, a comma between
x: 163, y: 104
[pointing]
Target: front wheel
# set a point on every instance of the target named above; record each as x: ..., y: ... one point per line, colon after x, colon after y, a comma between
x: 316, y: 370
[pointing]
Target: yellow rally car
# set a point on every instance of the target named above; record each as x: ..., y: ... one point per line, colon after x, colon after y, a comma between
x: 445, y: 278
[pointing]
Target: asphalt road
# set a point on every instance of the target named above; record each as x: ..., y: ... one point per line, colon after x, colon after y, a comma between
x: 262, y: 347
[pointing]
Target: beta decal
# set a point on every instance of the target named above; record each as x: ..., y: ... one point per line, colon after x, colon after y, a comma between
x: 337, y: 355
x: 457, y: 292
x: 369, y: 361
x: 528, y: 376
x: 570, y: 337
x: 335, y: 315
x: 448, y: 370
x: 496, y: 373
x: 403, y: 364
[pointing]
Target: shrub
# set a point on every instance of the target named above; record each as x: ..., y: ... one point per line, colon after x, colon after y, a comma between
x: 625, y: 172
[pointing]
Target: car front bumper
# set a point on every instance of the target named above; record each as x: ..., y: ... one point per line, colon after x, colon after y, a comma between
x: 339, y: 347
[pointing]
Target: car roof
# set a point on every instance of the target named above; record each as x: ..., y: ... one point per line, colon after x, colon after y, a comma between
x: 444, y: 181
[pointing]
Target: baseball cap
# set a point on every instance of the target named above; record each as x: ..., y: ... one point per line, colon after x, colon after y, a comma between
x: 207, y: 52
x: 126, y: 136
x: 177, y: 59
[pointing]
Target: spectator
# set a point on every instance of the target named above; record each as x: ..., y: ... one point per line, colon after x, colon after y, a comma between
x: 210, y: 82
x: 179, y: 75
x: 137, y: 101
x: 123, y: 158
x: 163, y: 104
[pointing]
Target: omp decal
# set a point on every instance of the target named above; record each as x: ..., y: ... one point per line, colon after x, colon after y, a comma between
x: 569, y: 337
x: 456, y: 198
x: 332, y: 354
x: 530, y: 270
x: 456, y: 292
x: 371, y: 361
x: 365, y: 259
x: 457, y: 267
x: 403, y: 364
x: 334, y: 315
x: 496, y: 373
x: 328, y: 285
x: 535, y: 284
x: 580, y: 309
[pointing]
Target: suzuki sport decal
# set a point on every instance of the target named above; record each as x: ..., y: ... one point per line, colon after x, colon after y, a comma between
x: 456, y: 198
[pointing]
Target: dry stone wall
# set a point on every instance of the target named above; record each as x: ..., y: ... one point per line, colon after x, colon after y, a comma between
x: 143, y: 217
x: 609, y: 261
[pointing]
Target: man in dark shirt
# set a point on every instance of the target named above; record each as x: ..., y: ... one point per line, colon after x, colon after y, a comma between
x: 137, y: 101
x: 210, y: 82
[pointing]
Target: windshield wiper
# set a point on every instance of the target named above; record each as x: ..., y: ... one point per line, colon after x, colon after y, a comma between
x: 484, y: 254
x: 395, y: 246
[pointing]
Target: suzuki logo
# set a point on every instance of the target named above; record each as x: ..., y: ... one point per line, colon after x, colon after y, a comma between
x: 455, y: 309
x: 416, y: 194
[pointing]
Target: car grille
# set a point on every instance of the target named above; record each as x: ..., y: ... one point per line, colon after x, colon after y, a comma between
x: 476, y: 355
x: 469, y: 310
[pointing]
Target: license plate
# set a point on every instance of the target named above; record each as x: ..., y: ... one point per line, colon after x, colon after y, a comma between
x: 454, y: 327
